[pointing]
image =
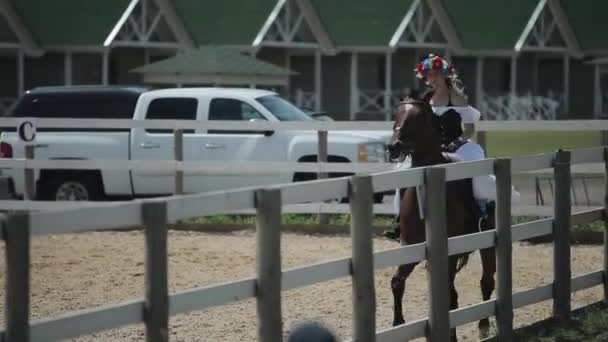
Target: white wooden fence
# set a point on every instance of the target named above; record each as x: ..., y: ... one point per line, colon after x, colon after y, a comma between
x: 178, y: 166
x: 156, y: 214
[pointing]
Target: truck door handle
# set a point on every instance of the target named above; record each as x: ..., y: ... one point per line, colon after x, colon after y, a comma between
x: 148, y: 145
x: 41, y: 146
x: 211, y: 146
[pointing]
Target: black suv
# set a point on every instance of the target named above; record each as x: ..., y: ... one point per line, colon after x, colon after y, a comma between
x: 78, y: 102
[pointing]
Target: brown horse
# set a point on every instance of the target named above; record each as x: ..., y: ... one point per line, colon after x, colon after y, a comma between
x: 415, y: 134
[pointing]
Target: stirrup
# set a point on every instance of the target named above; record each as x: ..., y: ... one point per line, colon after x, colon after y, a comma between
x: 482, y: 224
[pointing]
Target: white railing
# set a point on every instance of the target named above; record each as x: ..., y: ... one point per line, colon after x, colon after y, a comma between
x: 526, y: 107
x: 156, y: 214
x: 371, y: 101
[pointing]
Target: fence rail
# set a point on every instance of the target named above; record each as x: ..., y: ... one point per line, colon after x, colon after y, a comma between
x: 114, y: 124
x: 19, y: 228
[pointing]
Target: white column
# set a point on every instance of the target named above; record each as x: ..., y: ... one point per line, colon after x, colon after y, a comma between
x: 514, y: 75
x: 20, y: 72
x: 105, y: 67
x: 146, y: 56
x: 566, y: 84
x: 479, y: 83
x: 388, y: 85
x: 354, y: 84
x: 318, y: 81
x: 67, y: 68
x: 535, y: 74
x: 597, y: 91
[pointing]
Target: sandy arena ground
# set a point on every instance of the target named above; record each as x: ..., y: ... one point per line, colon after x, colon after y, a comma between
x: 72, y: 272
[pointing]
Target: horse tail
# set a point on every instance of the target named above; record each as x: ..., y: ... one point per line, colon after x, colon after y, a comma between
x: 462, y: 262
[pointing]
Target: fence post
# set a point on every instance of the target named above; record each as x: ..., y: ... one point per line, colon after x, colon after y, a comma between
x: 156, y: 312
x: 605, y: 225
x: 437, y: 254
x: 504, y: 249
x: 178, y: 143
x: 322, y: 140
x: 16, y: 234
x: 29, y: 192
x: 561, y: 235
x: 268, y: 225
x: 364, y: 298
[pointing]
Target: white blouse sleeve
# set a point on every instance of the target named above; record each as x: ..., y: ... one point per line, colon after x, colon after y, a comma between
x: 469, y: 114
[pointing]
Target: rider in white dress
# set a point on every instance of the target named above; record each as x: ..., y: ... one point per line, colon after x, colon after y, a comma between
x: 452, y: 112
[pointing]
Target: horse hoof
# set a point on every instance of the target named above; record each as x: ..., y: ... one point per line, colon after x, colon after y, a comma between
x: 398, y: 321
x: 484, y: 328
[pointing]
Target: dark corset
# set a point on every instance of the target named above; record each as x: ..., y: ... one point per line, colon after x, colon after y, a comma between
x: 449, y: 124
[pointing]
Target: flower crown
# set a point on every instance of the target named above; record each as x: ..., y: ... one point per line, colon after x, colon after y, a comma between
x: 435, y: 63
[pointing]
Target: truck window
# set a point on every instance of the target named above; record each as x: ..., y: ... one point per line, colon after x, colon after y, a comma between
x: 283, y: 109
x: 178, y: 108
x: 230, y: 109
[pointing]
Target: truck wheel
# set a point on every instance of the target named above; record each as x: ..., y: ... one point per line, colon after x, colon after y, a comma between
x: 79, y: 187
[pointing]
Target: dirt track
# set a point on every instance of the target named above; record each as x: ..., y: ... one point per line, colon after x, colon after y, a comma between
x: 72, y: 272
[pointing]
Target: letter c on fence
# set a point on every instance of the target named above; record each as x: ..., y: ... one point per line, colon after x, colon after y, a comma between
x: 27, y: 131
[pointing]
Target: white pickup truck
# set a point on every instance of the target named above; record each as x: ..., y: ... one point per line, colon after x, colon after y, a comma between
x: 200, y: 104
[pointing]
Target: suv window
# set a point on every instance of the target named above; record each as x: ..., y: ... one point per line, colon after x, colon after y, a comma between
x: 76, y: 105
x: 178, y: 108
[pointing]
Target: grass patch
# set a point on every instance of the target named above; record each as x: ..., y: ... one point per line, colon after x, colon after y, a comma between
x: 587, y: 324
x: 509, y: 144
x: 596, y: 227
x: 300, y: 219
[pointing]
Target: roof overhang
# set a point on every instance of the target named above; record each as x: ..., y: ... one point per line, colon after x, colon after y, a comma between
x: 322, y: 37
x: 572, y: 47
x: 184, y: 40
x: 214, y: 79
x: 27, y: 42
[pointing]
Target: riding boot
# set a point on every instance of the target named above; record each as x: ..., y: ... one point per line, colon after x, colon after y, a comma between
x: 482, y: 206
x: 394, y: 232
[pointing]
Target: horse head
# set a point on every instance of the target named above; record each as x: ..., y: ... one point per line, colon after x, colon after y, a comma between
x: 413, y: 129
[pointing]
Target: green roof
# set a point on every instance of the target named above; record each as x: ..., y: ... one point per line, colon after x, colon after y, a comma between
x: 224, y: 22
x: 213, y: 61
x: 588, y: 20
x: 361, y: 23
x: 489, y: 24
x: 70, y: 22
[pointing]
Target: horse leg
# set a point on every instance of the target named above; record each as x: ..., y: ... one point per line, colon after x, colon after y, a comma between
x: 487, y: 283
x: 398, y: 287
x: 488, y: 262
x: 453, y: 264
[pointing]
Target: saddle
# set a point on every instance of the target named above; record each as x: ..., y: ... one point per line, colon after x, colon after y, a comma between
x: 478, y: 215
